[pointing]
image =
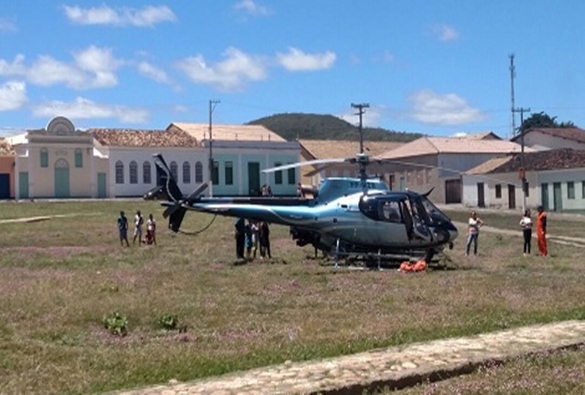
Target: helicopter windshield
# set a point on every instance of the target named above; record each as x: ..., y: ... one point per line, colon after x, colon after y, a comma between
x: 433, y: 212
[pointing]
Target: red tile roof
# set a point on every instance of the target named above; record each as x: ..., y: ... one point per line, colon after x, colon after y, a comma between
x: 144, y: 138
x: 6, y: 148
x: 557, y: 159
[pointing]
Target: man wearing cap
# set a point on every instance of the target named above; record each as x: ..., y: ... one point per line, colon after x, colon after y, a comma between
x: 541, y: 231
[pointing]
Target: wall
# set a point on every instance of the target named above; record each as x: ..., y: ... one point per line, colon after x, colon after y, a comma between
x: 490, y: 181
x: 539, y: 139
x: 577, y: 176
x: 144, y: 154
x: 267, y: 154
x: 7, y: 167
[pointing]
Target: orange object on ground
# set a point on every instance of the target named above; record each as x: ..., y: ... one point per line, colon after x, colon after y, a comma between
x: 541, y: 233
x: 410, y: 267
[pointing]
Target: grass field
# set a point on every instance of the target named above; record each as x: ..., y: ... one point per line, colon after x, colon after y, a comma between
x: 60, y: 277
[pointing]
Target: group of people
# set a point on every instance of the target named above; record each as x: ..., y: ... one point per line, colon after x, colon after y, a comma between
x: 265, y: 190
x: 150, y: 237
x: 249, y: 236
x: 475, y: 223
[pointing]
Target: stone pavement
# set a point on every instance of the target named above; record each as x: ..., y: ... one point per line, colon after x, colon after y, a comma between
x: 395, y: 367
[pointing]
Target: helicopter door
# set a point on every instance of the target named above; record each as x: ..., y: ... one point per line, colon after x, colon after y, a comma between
x: 420, y: 230
x: 407, y: 217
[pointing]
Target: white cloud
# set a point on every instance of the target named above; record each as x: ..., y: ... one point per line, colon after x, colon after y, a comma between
x: 297, y: 60
x: 154, y: 73
x: 92, y: 67
x: 124, y: 16
x: 237, y: 69
x: 445, y: 32
x: 251, y: 8
x: 370, y: 118
x: 387, y: 57
x: 12, y: 95
x: 444, y: 110
x: 7, y: 26
x: 82, y: 108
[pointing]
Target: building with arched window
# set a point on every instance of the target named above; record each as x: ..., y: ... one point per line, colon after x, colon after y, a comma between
x: 130, y: 155
x: 57, y: 162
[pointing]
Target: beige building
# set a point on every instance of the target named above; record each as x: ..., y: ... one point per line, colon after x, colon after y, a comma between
x: 437, y: 163
x: 332, y: 149
x: 58, y: 162
x: 542, y: 139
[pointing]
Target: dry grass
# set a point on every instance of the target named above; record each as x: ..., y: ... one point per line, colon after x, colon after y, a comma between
x: 60, y: 277
x: 561, y: 373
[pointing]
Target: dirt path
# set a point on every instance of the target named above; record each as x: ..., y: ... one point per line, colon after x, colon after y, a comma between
x: 43, y: 218
x: 565, y: 240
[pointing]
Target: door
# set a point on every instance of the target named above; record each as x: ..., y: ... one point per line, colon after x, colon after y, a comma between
x: 511, y: 196
x: 402, y: 183
x: 101, y: 185
x: 61, y: 178
x: 23, y: 185
x: 480, y: 195
x: 452, y: 191
x: 4, y: 186
x: 544, y: 195
x: 557, y: 197
x: 253, y: 178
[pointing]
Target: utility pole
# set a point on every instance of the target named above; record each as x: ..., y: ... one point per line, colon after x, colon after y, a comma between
x: 361, y: 112
x: 212, y: 104
x: 521, y: 111
x: 512, y: 75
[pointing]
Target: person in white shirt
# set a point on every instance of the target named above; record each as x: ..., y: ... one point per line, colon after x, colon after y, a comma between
x: 151, y: 230
x: 526, y: 224
x: 138, y: 221
x: 474, y: 224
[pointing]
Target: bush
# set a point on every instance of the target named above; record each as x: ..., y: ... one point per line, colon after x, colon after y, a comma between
x: 116, y: 324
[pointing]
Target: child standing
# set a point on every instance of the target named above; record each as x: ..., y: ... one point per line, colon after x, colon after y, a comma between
x: 526, y: 224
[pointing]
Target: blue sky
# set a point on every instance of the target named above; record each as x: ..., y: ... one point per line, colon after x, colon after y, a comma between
x: 434, y: 67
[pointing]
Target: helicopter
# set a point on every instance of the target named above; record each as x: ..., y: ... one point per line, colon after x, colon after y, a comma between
x: 356, y: 218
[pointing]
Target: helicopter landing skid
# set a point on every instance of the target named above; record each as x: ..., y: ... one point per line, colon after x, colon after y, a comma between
x: 378, y: 260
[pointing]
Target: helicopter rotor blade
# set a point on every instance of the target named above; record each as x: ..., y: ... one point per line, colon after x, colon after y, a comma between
x: 308, y: 163
x: 193, y: 195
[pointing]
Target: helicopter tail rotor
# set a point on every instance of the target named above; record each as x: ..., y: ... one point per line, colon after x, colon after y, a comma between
x: 170, y: 191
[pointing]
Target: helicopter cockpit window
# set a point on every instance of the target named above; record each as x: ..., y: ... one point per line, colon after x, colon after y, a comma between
x: 389, y: 211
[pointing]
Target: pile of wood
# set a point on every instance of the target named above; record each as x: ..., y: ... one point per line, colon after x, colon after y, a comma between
x: 6, y: 148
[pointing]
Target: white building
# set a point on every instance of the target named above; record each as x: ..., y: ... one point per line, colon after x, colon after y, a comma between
x: 555, y: 179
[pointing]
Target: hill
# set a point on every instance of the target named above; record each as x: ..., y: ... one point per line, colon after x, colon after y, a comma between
x: 326, y: 127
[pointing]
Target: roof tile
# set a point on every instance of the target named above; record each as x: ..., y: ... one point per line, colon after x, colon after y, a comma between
x: 327, y: 149
x: 227, y: 132
x: 557, y: 159
x: 143, y: 138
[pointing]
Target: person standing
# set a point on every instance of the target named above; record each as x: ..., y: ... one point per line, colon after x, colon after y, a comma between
x: 123, y: 229
x: 541, y: 231
x: 264, y: 240
x: 151, y: 230
x: 526, y: 224
x: 474, y: 224
x: 240, y: 234
x: 138, y: 222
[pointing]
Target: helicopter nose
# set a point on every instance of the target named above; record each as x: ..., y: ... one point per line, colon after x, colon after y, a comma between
x: 453, y: 233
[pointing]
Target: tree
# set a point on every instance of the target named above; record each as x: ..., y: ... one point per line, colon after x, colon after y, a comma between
x: 543, y: 120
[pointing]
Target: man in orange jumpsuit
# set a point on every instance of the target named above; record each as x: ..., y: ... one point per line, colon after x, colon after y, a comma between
x: 541, y: 231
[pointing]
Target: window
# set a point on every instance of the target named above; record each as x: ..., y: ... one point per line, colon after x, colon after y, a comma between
x: 570, y: 190
x: 119, y: 172
x: 186, y: 173
x: 278, y: 174
x: 527, y: 188
x: 78, y: 157
x: 146, y: 176
x: 229, y: 173
x: 133, y: 172
x: 175, y: 170
x: 582, y: 189
x: 215, y: 173
x: 389, y: 211
x: 498, y: 191
x: 198, y: 172
x: 44, y: 157
x: 292, y: 176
